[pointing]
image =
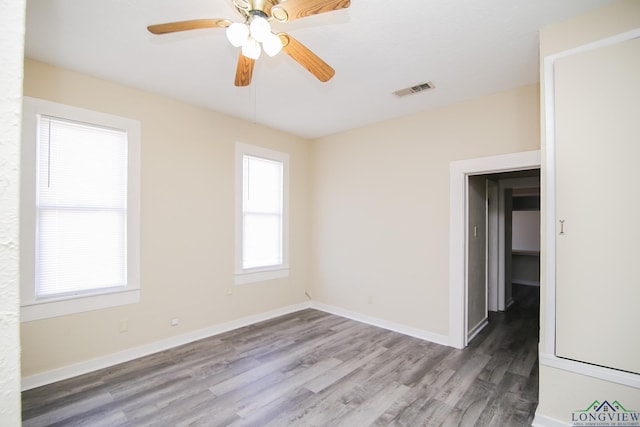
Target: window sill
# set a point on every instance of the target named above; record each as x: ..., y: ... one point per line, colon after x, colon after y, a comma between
x: 249, y: 276
x: 46, y: 309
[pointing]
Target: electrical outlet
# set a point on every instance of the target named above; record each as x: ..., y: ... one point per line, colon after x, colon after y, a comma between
x: 370, y: 299
x: 175, y: 321
x: 229, y: 291
x: 124, y: 326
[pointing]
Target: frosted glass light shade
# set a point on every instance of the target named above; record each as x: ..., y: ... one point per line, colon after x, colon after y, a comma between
x: 237, y: 34
x: 272, y: 45
x: 251, y: 48
x: 260, y: 28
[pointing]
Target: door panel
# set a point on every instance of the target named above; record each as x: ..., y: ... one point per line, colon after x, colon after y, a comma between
x: 476, y: 256
x: 597, y: 95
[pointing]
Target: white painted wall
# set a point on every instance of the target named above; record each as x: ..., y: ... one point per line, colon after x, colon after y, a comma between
x: 377, y: 221
x: 11, y: 46
x: 525, y: 229
x: 187, y: 225
x: 381, y: 204
x: 525, y: 257
x: 562, y: 391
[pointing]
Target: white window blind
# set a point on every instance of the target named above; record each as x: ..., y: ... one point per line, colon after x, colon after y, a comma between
x: 81, y: 208
x: 262, y: 212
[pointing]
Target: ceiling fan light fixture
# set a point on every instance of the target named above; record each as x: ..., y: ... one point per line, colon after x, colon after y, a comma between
x: 251, y: 48
x: 272, y: 45
x: 254, y: 34
x: 259, y: 28
x: 238, y: 34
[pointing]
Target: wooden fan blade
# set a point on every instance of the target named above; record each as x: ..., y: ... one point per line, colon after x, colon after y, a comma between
x: 244, y: 70
x: 306, y: 58
x: 295, y: 9
x: 194, y: 24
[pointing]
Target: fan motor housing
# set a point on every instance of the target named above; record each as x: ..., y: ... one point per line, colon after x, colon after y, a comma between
x: 247, y: 6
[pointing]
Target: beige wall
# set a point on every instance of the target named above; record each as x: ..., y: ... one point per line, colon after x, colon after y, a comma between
x: 562, y: 392
x: 11, y: 45
x: 378, y: 197
x: 187, y: 217
x: 381, y: 204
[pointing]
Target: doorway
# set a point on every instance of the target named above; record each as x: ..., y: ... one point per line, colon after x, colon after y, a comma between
x: 503, y: 242
x: 460, y: 171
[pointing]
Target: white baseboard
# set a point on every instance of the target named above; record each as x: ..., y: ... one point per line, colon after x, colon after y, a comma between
x: 381, y: 323
x: 526, y: 282
x: 70, y: 371
x: 478, y: 328
x: 85, y: 367
x: 509, y: 304
x: 544, y: 421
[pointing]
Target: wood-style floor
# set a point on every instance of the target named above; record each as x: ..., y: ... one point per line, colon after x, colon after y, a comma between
x: 311, y: 368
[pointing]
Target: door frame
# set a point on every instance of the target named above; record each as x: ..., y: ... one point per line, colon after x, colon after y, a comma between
x: 493, y: 243
x: 459, y: 172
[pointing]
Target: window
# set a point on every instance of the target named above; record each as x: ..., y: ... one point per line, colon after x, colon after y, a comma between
x: 79, y: 246
x: 261, y: 214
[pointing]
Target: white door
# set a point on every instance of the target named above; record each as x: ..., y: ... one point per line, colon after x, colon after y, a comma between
x: 476, y: 256
x: 597, y: 95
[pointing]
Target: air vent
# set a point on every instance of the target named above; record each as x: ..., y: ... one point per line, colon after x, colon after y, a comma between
x: 414, y: 89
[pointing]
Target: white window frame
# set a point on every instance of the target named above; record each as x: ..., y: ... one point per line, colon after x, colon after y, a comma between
x: 33, y: 308
x: 244, y: 276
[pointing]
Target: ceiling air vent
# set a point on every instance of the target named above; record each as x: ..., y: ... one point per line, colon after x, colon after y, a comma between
x: 414, y: 89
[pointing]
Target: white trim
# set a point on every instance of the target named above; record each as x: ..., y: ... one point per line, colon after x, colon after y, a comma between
x: 62, y: 307
x: 544, y: 421
x: 493, y: 245
x: 33, y: 308
x: 549, y: 358
x: 245, y: 276
x: 526, y: 282
x: 477, y: 329
x: 458, y: 172
x: 102, y: 362
x: 599, y: 372
x: 381, y: 323
x: 550, y: 211
x: 260, y: 276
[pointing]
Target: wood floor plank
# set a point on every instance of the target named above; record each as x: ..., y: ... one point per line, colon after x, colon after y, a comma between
x: 323, y: 407
x: 291, y: 382
x: 474, y: 401
x: 223, y: 411
x: 338, y: 372
x: 369, y: 410
x: 272, y: 410
x: 61, y: 414
x: 435, y: 413
x: 312, y: 368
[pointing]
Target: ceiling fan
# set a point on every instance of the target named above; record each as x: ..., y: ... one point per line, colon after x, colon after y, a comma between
x: 254, y: 34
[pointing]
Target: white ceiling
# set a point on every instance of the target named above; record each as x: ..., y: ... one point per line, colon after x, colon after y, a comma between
x: 467, y: 48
